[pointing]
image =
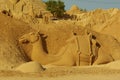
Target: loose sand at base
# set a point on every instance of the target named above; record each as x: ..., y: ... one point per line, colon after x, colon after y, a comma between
x: 75, y: 77
x: 65, y: 73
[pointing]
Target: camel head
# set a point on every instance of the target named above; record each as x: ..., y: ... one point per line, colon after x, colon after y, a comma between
x: 29, y: 38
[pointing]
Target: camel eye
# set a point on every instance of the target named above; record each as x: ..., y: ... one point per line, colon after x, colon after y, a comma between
x: 22, y: 38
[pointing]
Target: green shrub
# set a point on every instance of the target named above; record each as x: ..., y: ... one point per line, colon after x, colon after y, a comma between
x: 56, y: 7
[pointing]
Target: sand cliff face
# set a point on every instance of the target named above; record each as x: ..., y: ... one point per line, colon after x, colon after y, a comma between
x: 10, y: 30
x: 25, y: 10
x: 95, y: 17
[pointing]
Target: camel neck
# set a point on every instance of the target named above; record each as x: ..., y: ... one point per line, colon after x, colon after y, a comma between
x: 38, y: 48
x: 38, y: 54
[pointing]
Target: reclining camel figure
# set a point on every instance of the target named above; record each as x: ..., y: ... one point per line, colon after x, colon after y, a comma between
x: 109, y: 48
x: 76, y: 52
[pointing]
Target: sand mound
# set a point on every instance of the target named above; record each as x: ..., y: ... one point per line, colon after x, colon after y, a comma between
x: 113, y: 65
x: 10, y: 53
x: 30, y: 67
x: 74, y: 7
x: 74, y: 10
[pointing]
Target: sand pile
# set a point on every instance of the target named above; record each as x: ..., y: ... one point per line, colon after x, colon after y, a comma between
x: 30, y: 67
x: 10, y: 30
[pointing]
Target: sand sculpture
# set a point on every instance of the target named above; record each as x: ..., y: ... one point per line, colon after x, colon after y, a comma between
x: 88, y: 49
x: 80, y: 54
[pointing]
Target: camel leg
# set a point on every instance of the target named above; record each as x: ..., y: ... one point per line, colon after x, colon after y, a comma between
x: 63, y: 63
x: 66, y: 60
x: 78, y: 59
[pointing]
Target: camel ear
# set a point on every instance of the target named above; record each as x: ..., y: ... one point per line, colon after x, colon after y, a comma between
x: 38, y: 33
x: 45, y: 36
x: 42, y: 35
x: 87, y: 32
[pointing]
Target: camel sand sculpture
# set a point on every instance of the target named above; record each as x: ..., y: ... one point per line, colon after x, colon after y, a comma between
x: 93, y: 48
x: 109, y: 47
x: 76, y: 52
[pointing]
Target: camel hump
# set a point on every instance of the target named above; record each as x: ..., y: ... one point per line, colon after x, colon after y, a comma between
x: 30, y: 67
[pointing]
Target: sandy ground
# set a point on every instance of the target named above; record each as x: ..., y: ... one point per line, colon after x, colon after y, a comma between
x: 64, y: 73
x: 75, y: 77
